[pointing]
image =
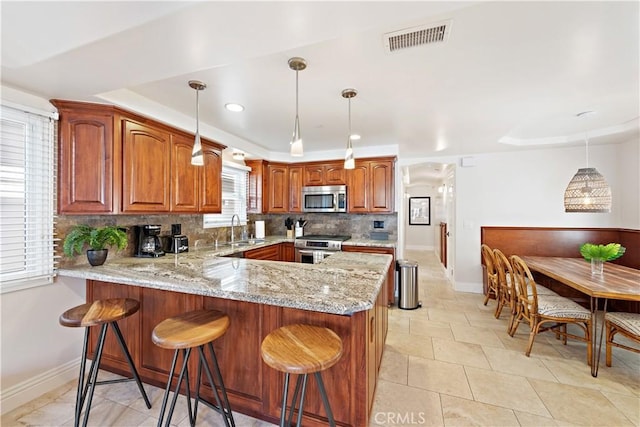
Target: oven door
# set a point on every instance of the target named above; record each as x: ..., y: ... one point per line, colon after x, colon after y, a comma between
x: 310, y: 256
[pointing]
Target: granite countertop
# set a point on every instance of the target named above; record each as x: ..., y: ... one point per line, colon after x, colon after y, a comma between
x: 343, y: 283
x: 370, y: 243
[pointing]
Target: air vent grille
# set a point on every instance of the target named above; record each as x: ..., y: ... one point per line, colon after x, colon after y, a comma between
x: 417, y: 36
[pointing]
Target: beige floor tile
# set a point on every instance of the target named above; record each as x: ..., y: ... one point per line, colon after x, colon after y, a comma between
x: 441, y: 377
x: 463, y: 412
x: 411, y: 345
x: 459, y: 352
x: 541, y: 348
x: 52, y: 414
x: 516, y: 363
x: 396, y: 405
x: 109, y: 413
x: 529, y: 420
x: 628, y: 405
x: 394, y: 366
x: 576, y: 372
x: 474, y: 335
x: 449, y: 316
x: 504, y: 390
x: 430, y: 328
x: 578, y: 405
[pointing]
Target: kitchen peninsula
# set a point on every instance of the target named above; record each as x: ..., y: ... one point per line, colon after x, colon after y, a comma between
x: 345, y: 292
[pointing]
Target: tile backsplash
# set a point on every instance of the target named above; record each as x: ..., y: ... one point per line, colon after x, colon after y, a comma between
x: 357, y: 226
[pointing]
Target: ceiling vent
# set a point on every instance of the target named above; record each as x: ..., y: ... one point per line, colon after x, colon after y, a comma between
x: 417, y: 36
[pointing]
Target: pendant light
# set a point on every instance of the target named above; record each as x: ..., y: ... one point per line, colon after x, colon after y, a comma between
x: 349, y: 162
x: 297, y: 64
x: 197, y: 158
x: 587, y: 191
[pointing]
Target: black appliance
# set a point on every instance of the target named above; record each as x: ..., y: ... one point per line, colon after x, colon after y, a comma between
x: 148, y: 243
x: 177, y: 242
x: 313, y: 248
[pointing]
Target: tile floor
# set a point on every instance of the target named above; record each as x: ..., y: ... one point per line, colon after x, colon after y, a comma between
x: 448, y: 363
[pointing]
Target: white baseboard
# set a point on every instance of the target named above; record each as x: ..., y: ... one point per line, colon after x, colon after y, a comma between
x: 472, y: 287
x: 24, y: 392
x: 419, y: 248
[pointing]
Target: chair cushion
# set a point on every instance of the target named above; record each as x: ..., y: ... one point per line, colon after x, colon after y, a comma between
x: 628, y: 321
x: 557, y: 306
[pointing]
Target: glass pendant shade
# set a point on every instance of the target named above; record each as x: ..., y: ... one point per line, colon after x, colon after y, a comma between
x: 197, y: 159
x: 296, y: 149
x: 349, y: 161
x: 587, y: 191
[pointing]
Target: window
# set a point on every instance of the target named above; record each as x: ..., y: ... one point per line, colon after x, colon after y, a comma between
x: 27, y: 199
x: 234, y: 197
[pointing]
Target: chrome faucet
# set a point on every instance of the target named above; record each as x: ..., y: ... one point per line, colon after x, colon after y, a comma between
x: 232, y: 229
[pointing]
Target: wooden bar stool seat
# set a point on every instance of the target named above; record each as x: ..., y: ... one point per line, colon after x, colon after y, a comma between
x: 302, y: 349
x: 100, y: 313
x: 183, y: 333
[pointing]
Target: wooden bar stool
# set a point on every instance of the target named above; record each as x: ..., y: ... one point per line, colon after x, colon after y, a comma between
x: 184, y: 332
x: 302, y: 349
x: 101, y: 312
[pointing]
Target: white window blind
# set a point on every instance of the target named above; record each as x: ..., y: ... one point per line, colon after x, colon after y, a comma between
x: 27, y: 199
x: 234, y: 197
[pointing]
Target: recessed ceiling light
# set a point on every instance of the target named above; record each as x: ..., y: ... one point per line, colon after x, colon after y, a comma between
x: 355, y: 137
x: 234, y: 107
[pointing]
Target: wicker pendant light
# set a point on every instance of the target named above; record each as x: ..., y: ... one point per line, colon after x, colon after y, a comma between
x: 588, y: 190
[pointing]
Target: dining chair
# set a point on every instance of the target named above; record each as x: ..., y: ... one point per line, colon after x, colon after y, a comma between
x: 547, y: 312
x: 625, y: 324
x: 492, y: 278
x: 506, y: 287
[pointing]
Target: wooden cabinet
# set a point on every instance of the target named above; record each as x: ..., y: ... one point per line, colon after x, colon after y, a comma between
x: 287, y: 252
x: 332, y: 173
x: 146, y: 156
x: 269, y: 253
x: 115, y: 161
x: 87, y: 157
x: 295, y: 188
x: 390, y: 294
x: 276, y: 188
x: 195, y: 189
x: 371, y: 186
x: 254, y: 190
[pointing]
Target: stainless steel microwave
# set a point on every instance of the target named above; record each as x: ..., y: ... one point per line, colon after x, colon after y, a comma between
x: 324, y: 198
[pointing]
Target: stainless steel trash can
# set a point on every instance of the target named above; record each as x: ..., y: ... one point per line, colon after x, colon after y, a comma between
x: 407, y: 284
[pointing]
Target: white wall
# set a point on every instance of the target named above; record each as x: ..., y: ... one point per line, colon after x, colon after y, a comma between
x: 420, y: 237
x: 526, y: 188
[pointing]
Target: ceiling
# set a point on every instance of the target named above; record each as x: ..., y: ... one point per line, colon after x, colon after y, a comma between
x: 516, y: 72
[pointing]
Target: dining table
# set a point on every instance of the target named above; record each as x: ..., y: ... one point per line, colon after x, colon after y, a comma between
x: 615, y: 282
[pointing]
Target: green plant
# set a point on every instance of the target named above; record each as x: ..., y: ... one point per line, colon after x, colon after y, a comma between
x: 96, y: 238
x: 604, y: 252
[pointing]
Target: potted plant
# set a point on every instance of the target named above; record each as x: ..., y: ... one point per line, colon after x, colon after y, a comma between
x: 97, y: 238
x: 599, y: 254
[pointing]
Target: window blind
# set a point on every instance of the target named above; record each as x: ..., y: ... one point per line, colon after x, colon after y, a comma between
x: 234, y: 197
x: 27, y: 199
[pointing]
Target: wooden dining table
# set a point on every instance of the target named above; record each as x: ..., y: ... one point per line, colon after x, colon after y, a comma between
x: 616, y: 282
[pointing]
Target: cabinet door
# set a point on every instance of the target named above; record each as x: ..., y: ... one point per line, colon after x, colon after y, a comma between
x: 210, y: 200
x: 145, y: 168
x: 277, y: 188
x: 254, y: 192
x: 184, y: 176
x: 269, y: 253
x: 85, y: 169
x: 313, y: 175
x: 334, y: 174
x: 381, y: 186
x: 391, y: 278
x: 358, y: 188
x: 287, y: 252
x: 295, y: 188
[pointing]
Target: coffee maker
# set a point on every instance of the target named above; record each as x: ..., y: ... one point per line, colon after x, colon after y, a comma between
x: 148, y: 243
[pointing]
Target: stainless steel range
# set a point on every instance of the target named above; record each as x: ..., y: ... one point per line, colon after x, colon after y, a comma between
x: 313, y: 248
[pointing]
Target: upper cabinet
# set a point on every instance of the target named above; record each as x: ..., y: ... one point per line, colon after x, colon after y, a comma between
x: 295, y: 188
x: 114, y: 161
x: 370, y: 186
x: 254, y: 190
x: 276, y: 188
x: 87, y: 156
x: 330, y: 173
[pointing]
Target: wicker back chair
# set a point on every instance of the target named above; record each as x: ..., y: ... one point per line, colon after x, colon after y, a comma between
x: 506, y: 286
x: 625, y: 324
x: 492, y: 276
x: 547, y: 312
